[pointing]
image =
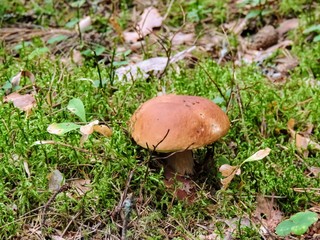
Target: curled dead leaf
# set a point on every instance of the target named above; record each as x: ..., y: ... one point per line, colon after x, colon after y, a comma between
x: 315, y: 171
x: 84, y: 24
x: 265, y: 38
x: 149, y: 20
x: 182, y: 38
x: 23, y: 102
x: 228, y: 172
x: 86, y: 130
x: 103, y: 129
x: 15, y: 81
x: 302, y: 143
x: 236, y: 26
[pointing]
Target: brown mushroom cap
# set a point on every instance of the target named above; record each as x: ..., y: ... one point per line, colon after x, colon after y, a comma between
x: 178, y: 122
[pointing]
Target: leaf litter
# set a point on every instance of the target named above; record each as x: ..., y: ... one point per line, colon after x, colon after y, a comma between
x: 267, y: 214
x: 229, y: 171
x: 149, y: 20
x: 143, y: 69
x: 24, y: 102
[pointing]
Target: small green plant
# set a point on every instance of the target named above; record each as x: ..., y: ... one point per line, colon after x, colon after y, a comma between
x: 76, y: 106
x: 297, y: 224
x: 315, y: 29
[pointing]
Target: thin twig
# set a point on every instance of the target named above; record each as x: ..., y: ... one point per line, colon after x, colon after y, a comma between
x: 117, y: 209
x: 238, y: 98
x: 173, y: 153
x: 63, y: 188
x: 213, y: 81
x: 71, y: 221
x: 155, y: 146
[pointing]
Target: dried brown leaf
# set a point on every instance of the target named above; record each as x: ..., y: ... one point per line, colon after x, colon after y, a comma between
x: 23, y: 102
x: 251, y: 56
x: 302, y: 143
x: 86, y: 130
x: 15, y: 81
x: 287, y: 25
x: 267, y: 213
x: 291, y: 123
x: 315, y: 171
x: 81, y: 185
x: 228, y: 172
x: 236, y: 26
x: 259, y: 155
x: 182, y: 38
x: 26, y: 168
x: 150, y: 19
x: 156, y: 65
x: 84, y: 24
x: 76, y: 57
x: 103, y: 129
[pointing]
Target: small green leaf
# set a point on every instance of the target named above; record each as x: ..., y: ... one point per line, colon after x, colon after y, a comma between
x: 297, y: 224
x: 22, y: 45
x: 96, y: 83
x: 87, y: 52
x: 72, y: 23
x: 299, y: 229
x: 120, y: 63
x: 313, y: 28
x: 76, y: 106
x: 38, y: 52
x: 253, y: 14
x: 57, y: 39
x: 305, y: 218
x: 316, y: 38
x: 77, y: 4
x: 218, y: 100
x: 7, y: 85
x: 62, y: 128
x: 99, y: 50
x: 284, y: 228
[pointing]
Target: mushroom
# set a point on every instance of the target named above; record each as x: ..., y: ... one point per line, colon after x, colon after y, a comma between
x: 177, y: 124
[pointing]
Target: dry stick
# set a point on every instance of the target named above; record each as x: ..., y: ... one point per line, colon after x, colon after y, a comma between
x: 214, y: 83
x: 173, y: 153
x: 168, y: 54
x: 151, y: 153
x: 238, y: 97
x: 123, y: 195
x: 63, y: 188
x: 72, y: 220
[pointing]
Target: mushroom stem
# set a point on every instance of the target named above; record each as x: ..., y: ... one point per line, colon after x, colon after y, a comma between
x: 181, y: 162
